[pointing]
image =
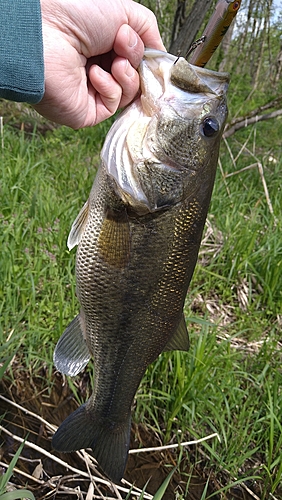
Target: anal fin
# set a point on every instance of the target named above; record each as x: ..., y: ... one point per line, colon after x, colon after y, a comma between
x: 71, y: 353
x: 180, y: 339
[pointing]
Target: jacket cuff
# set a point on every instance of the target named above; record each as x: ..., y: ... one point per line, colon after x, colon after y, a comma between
x: 21, y: 51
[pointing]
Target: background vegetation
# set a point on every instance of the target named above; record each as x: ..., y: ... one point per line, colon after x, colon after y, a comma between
x: 230, y: 382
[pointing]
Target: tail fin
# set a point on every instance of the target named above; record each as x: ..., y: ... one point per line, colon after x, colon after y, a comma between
x: 109, y: 442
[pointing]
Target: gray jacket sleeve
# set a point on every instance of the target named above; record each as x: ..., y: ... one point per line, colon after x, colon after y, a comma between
x: 21, y: 51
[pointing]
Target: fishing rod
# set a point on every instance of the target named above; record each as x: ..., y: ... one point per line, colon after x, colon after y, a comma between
x: 203, y: 49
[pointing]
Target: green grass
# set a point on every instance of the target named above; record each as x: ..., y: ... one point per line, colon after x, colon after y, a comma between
x: 42, y: 189
x: 217, y: 388
x: 230, y: 381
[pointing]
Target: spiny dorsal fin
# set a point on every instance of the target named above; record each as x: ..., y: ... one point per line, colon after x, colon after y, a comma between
x: 78, y: 226
x: 71, y: 353
x: 180, y: 339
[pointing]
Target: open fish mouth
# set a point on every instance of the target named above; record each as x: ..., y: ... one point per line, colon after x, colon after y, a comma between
x: 166, y: 76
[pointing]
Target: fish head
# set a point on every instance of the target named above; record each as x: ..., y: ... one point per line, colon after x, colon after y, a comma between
x: 164, y: 147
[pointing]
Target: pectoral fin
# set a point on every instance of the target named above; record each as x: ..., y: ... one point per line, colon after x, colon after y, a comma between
x: 78, y: 226
x: 114, y: 239
x: 71, y: 353
x: 180, y: 339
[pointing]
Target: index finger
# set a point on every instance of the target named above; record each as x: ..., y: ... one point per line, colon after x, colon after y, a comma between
x: 144, y: 23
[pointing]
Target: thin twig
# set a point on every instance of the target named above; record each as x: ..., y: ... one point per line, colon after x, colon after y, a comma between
x: 176, y: 445
x: 241, y: 170
x: 272, y: 496
x: 245, y: 122
x: 258, y: 164
x: 261, y: 172
x: 66, y: 465
x: 230, y: 153
x: 260, y: 169
x: 250, y: 492
x: 83, y: 455
x: 224, y: 177
x: 28, y: 412
x: 25, y: 474
x: 243, y: 146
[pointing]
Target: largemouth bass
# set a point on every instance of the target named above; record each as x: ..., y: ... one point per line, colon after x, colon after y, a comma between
x: 138, y: 238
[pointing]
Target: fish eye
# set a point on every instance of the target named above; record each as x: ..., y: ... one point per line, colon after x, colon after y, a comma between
x: 210, y: 126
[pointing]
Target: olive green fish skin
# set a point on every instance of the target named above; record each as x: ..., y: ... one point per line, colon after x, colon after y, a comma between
x: 134, y: 263
x: 136, y: 289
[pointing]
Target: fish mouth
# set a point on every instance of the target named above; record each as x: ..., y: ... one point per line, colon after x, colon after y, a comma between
x: 163, y: 74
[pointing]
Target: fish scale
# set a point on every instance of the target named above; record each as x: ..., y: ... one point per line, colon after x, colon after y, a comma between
x: 138, y: 238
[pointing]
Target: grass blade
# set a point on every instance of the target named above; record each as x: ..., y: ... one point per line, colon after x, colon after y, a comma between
x: 14, y: 495
x: 6, y: 477
x: 162, y: 489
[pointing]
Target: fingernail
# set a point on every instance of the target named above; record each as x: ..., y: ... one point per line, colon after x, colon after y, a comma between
x: 129, y: 70
x: 132, y: 38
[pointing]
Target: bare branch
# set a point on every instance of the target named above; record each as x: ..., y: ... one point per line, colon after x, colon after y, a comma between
x: 275, y: 103
x: 249, y: 120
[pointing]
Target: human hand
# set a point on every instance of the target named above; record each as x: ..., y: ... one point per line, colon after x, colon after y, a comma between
x: 91, y: 51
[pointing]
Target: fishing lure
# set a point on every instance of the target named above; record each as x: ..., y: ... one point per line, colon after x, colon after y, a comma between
x: 224, y: 13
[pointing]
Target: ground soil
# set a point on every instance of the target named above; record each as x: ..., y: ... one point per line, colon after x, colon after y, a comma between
x: 48, y: 479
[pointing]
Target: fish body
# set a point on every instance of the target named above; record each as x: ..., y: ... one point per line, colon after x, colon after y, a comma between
x: 138, y: 238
